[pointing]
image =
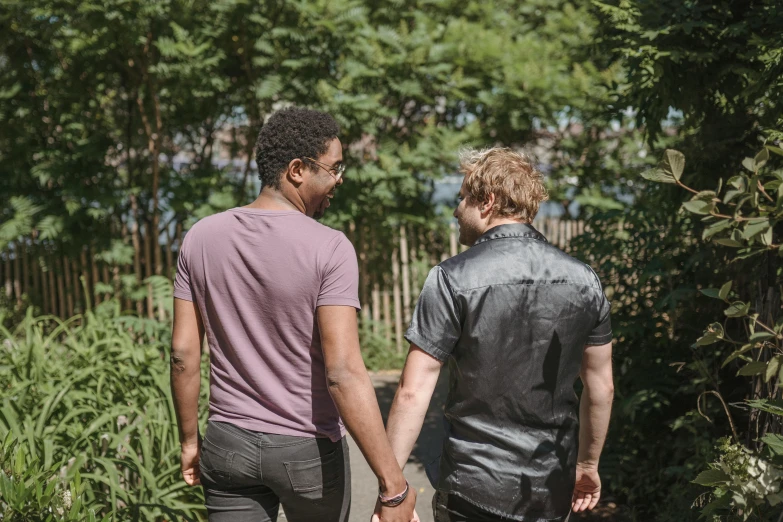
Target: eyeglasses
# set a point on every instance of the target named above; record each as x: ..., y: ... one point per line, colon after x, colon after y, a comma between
x: 335, y: 170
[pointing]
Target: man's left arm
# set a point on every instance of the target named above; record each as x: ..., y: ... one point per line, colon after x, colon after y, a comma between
x: 186, y: 339
x: 417, y: 383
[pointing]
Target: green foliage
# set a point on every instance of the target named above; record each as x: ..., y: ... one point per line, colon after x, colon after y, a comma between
x: 45, y: 491
x: 743, y: 215
x: 87, y: 409
x: 116, y: 109
x: 717, y: 62
x: 743, y: 482
x: 702, y: 78
x: 377, y: 351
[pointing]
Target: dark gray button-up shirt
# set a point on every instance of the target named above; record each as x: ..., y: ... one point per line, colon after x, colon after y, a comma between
x: 511, y: 315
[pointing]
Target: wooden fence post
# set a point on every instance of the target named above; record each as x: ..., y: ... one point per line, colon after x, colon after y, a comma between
x: 387, y: 320
x: 52, y: 287
x: 45, y: 290
x: 25, y: 270
x: 169, y: 255
x: 62, y: 311
x: 37, y: 289
x: 364, y: 271
x: 397, y: 300
x: 106, y: 279
x: 66, y: 264
x: 376, y: 308
x: 85, y: 280
x: 148, y: 269
x: 9, y: 289
x: 406, y: 276
x: 95, y: 276
x: 17, y: 276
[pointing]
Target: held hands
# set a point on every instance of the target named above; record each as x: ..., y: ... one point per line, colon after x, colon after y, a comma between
x: 587, y: 490
x: 189, y: 459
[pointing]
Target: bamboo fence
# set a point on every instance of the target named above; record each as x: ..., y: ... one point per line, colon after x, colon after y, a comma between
x: 389, y: 282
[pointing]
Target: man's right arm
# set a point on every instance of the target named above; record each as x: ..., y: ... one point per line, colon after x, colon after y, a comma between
x: 595, y: 409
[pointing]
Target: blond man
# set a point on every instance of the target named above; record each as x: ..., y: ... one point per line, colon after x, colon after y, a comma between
x: 518, y: 321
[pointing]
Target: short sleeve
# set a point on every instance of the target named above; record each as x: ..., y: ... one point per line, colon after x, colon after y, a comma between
x: 602, y: 331
x: 182, y: 287
x: 436, y: 326
x: 340, y: 281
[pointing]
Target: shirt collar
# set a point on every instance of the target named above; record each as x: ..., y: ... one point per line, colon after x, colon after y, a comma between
x: 511, y: 230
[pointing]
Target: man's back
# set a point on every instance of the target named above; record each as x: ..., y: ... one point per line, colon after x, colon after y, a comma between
x: 522, y: 312
x: 257, y: 277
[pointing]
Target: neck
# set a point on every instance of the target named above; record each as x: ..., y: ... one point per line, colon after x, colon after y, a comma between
x: 497, y: 221
x: 273, y: 199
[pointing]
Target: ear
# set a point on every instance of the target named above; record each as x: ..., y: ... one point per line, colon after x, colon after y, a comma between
x: 295, y: 172
x: 486, y: 206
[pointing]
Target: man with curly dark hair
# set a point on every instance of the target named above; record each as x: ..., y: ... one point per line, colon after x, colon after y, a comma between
x: 276, y: 294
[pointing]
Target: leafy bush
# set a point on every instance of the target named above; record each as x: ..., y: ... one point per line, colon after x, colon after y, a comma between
x: 378, y: 352
x: 32, y: 490
x: 92, y: 392
x: 743, y: 217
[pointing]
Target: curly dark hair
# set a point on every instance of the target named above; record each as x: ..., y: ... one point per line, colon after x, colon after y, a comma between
x: 289, y: 134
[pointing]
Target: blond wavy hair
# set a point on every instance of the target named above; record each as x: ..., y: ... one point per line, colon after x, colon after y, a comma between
x: 510, y: 175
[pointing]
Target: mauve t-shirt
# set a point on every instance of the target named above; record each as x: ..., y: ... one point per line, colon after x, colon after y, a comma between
x: 257, y: 277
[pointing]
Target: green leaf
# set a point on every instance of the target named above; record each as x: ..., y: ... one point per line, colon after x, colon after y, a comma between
x: 717, y: 506
x: 715, y: 228
x: 698, y: 206
x: 761, y: 158
x: 760, y: 336
x: 736, y: 354
x: 712, y: 334
x: 774, y: 499
x: 755, y: 226
x: 711, y: 292
x: 705, y: 195
x: 753, y: 368
x: 776, y: 150
x: 774, y: 407
x: 772, y: 368
x: 659, y: 176
x: 749, y: 164
x: 711, y: 477
x: 738, y: 182
x: 767, y: 237
x: 674, y: 162
x: 724, y: 290
x: 737, y: 309
x: 728, y: 242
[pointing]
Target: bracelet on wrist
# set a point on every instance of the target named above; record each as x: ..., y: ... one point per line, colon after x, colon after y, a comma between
x: 396, y: 500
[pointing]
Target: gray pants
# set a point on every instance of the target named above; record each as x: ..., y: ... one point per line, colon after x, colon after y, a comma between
x: 247, y: 475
